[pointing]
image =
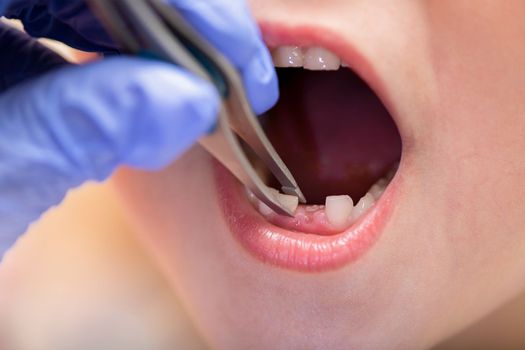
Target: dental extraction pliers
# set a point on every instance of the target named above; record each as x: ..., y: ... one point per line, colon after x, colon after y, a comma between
x: 155, y: 29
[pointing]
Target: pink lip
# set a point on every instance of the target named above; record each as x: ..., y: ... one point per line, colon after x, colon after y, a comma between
x: 296, y: 250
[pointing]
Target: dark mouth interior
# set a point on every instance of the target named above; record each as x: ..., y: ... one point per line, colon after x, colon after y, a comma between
x: 333, y: 132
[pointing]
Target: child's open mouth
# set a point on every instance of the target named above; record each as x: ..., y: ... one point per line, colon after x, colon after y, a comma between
x: 342, y: 146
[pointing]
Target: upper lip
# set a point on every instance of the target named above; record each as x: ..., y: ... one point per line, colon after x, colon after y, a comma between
x: 294, y: 250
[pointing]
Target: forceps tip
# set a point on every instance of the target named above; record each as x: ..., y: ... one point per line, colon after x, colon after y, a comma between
x: 294, y: 191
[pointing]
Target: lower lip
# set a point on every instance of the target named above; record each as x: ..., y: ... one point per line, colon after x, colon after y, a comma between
x: 295, y: 250
x: 299, y: 251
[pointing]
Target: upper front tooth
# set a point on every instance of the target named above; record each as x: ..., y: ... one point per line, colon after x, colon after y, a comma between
x: 338, y: 210
x: 288, y: 56
x: 317, y: 58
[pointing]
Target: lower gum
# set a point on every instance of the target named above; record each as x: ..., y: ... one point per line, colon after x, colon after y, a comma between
x: 311, y: 219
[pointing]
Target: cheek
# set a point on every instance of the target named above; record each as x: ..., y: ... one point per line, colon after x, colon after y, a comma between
x: 478, y: 131
x: 471, y: 155
x: 175, y: 215
x: 169, y: 205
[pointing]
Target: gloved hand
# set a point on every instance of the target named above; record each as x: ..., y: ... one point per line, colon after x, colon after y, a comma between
x: 62, y: 125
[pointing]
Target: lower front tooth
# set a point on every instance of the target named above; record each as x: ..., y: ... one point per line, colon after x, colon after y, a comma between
x: 273, y: 191
x: 338, y: 210
x: 289, y: 202
x: 362, y: 206
x: 317, y: 58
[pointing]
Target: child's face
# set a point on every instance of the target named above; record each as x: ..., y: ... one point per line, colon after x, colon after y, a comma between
x: 450, y: 239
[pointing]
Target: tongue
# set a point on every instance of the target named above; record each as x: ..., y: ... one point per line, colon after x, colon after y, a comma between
x: 333, y: 133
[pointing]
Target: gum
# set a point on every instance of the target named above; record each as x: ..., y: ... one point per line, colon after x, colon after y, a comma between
x: 312, y: 219
x: 307, y: 219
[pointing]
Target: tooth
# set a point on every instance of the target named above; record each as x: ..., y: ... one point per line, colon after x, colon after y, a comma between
x: 376, y: 191
x: 338, y: 210
x: 274, y: 192
x: 288, y: 56
x: 289, y: 202
x: 317, y: 58
x: 264, y: 209
x: 378, y: 188
x: 364, y: 203
x: 344, y: 65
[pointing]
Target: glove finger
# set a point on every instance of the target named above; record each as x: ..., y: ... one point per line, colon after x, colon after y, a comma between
x: 80, y: 123
x: 70, y: 22
x: 229, y: 26
x: 23, y: 57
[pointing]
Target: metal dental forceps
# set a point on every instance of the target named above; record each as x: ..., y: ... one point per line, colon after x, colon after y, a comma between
x: 152, y: 28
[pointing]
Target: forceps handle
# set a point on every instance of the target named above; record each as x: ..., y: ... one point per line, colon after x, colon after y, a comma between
x: 240, y: 114
x: 152, y: 27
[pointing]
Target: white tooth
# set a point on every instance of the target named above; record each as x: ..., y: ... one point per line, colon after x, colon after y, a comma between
x: 274, y: 192
x: 288, y: 56
x: 338, y: 210
x: 344, y: 64
x: 317, y: 58
x: 378, y: 188
x: 264, y: 209
x: 289, y: 202
x: 362, y: 206
x: 376, y: 191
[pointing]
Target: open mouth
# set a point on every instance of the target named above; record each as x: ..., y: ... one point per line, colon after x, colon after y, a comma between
x: 342, y: 146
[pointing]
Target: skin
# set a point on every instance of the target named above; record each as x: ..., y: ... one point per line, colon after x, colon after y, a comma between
x: 452, y: 251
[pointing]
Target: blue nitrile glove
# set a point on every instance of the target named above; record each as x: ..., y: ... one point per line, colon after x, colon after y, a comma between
x: 62, y: 125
